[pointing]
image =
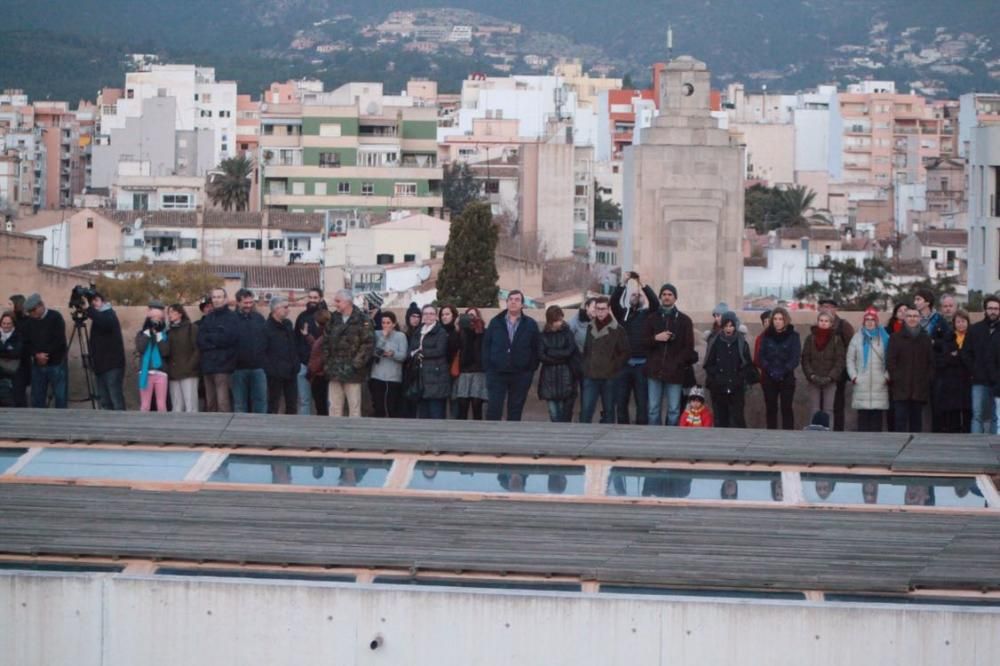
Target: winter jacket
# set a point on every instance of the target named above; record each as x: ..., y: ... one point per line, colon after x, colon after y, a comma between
x: 46, y: 335
x: 348, y: 344
x: 11, y: 355
x: 871, y: 382
x: 780, y: 353
x: 218, y: 341
x: 502, y: 355
x: 633, y: 319
x: 281, y: 349
x: 251, y: 346
x: 826, y: 366
x: 560, y: 358
x: 606, y: 351
x: 700, y: 419
x: 390, y: 368
x: 143, y: 342
x: 911, y: 365
x: 181, y: 351
x: 308, y: 317
x: 433, y: 360
x: 952, y: 385
x: 107, y: 349
x: 978, y: 352
x: 470, y: 349
x: 669, y: 361
x: 726, y: 363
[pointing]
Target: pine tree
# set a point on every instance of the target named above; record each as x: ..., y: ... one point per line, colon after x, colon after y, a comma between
x: 469, y: 275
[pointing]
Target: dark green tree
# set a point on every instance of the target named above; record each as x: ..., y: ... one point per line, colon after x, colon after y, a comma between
x: 945, y: 285
x: 469, y: 275
x: 767, y: 208
x: 231, y: 188
x: 605, y: 210
x: 854, y: 286
x: 796, y: 208
x: 627, y: 83
x: 459, y: 187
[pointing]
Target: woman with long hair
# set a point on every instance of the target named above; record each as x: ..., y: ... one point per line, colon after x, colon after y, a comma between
x: 469, y: 389
x: 560, y: 360
x: 952, y: 388
x: 386, y: 382
x: 780, y: 353
x: 182, y: 360
x: 823, y: 358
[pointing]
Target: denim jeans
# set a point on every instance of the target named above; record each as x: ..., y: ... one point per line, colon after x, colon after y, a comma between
x: 984, y: 419
x: 510, y: 386
x: 109, y: 389
x: 431, y: 408
x: 632, y: 380
x: 592, y: 388
x: 657, y: 391
x: 250, y: 391
x: 561, y: 411
x: 909, y: 415
x: 305, y: 391
x: 42, y: 376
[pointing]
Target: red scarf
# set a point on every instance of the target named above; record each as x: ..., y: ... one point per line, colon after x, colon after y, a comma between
x: 822, y: 337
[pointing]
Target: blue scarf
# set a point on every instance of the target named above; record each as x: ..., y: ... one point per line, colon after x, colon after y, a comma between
x: 151, y: 360
x: 868, y: 337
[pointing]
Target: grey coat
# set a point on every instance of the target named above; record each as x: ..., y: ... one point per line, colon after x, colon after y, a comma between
x: 871, y: 384
x: 389, y: 369
x: 434, y: 371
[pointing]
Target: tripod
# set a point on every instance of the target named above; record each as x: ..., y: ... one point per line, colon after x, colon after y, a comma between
x: 82, y: 337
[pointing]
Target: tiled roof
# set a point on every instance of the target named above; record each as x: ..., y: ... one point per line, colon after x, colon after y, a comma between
x: 813, y: 233
x: 272, y: 277
x: 951, y: 237
x: 233, y: 219
x: 278, y: 219
x: 162, y: 218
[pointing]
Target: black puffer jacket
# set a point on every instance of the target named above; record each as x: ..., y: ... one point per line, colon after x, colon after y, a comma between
x: 726, y: 363
x: 281, y: 357
x: 780, y: 353
x: 433, y: 361
x: 978, y: 352
x: 107, y: 348
x: 251, y: 347
x: 218, y: 341
x: 560, y: 360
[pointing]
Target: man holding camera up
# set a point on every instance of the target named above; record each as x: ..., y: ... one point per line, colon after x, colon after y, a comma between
x: 45, y: 338
x: 107, y: 352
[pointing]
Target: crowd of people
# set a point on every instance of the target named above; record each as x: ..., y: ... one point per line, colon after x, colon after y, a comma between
x: 633, y: 352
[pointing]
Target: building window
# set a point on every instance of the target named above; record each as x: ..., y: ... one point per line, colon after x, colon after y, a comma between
x: 581, y: 190
x: 382, y: 259
x: 176, y: 202
x: 276, y: 244
x: 206, y: 113
x: 130, y: 94
x: 319, y: 189
x: 367, y: 189
x: 298, y: 188
x: 491, y: 187
x: 90, y: 223
x: 329, y: 129
x: 409, y: 258
x: 248, y: 244
x: 406, y: 189
x: 206, y: 98
x: 189, y: 243
x: 299, y: 244
x: 140, y: 201
x: 933, y: 254
x: 343, y: 188
x: 329, y: 159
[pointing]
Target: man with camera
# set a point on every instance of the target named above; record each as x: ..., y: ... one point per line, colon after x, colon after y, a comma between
x: 45, y: 338
x: 107, y: 351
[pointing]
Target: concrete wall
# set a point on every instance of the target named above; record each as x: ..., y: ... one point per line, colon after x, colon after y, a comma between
x: 108, y: 620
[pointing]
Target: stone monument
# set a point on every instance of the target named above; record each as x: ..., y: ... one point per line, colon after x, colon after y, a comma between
x: 683, y: 196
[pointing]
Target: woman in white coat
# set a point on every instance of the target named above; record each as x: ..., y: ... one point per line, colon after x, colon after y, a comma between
x: 866, y: 357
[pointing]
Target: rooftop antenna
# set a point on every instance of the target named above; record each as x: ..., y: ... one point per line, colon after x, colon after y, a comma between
x: 670, y: 42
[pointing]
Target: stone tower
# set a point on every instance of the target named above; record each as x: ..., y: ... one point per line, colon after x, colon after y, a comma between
x: 683, y: 196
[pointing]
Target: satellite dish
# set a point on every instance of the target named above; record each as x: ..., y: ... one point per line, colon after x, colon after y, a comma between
x: 137, y: 224
x: 424, y: 273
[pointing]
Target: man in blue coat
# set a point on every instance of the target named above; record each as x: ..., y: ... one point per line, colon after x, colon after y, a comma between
x: 510, y: 356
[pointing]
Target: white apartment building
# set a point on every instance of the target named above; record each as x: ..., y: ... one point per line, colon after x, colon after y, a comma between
x: 984, y: 208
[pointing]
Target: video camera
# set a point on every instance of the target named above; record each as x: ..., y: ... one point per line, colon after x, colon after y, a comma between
x: 79, y: 301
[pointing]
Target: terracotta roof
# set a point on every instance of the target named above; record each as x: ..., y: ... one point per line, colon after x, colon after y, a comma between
x: 911, y: 267
x: 98, y: 265
x: 161, y: 218
x: 278, y: 219
x: 813, y: 233
x: 233, y: 219
x: 300, y: 277
x: 951, y: 237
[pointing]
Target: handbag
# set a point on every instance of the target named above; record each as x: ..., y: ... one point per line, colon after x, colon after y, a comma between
x: 456, y: 366
x: 414, y: 383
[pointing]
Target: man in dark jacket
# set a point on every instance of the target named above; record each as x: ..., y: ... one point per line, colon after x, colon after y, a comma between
x: 669, y: 338
x: 510, y: 356
x: 305, y: 330
x: 45, y: 339
x: 979, y: 355
x: 281, y: 359
x: 348, y: 347
x: 910, y: 363
x: 605, y: 352
x: 107, y: 353
x: 249, y: 378
x: 843, y: 330
x: 218, y: 342
x: 630, y: 305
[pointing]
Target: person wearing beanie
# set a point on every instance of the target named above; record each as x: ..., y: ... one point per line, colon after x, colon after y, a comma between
x: 866, y: 366
x: 696, y: 414
x: 910, y: 364
x: 780, y: 354
x: 630, y: 305
x: 45, y: 343
x: 729, y: 370
x: 980, y: 353
x: 151, y: 344
x: 669, y: 338
x: 411, y: 324
x: 307, y: 331
x: 823, y: 359
x: 281, y: 359
x: 820, y: 421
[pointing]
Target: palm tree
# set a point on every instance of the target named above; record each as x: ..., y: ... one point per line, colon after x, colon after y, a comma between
x: 796, y: 208
x: 229, y: 187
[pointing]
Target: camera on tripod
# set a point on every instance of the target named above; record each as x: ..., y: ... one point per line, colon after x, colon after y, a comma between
x: 79, y: 301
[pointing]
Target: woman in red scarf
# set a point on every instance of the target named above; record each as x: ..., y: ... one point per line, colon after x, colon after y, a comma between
x: 823, y: 359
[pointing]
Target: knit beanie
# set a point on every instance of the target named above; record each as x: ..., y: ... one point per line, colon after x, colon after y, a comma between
x: 870, y: 312
x: 157, y: 305
x: 669, y: 287
x: 720, y: 309
x: 730, y: 316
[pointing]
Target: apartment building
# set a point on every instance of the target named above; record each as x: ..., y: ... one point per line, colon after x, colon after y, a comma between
x: 975, y: 109
x: 353, y: 148
x: 984, y: 208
